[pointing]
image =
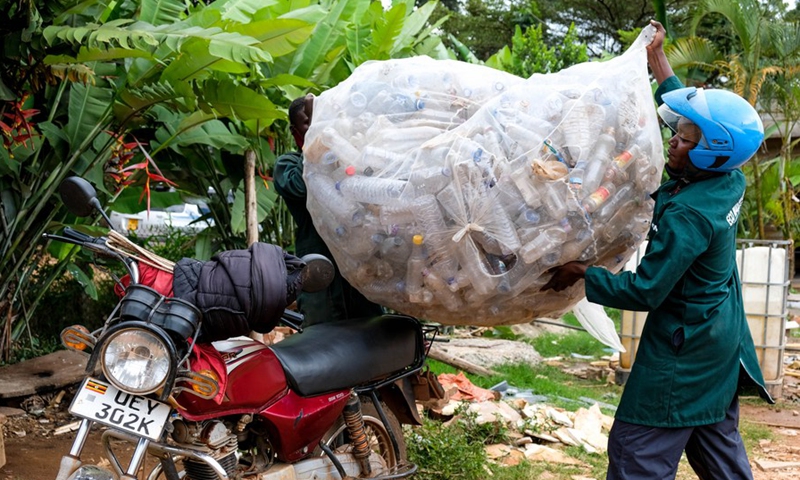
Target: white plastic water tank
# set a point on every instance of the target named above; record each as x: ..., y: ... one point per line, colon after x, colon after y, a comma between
x: 763, y: 271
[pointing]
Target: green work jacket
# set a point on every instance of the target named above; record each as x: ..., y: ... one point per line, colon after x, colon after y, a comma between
x: 696, y: 348
x: 288, y: 181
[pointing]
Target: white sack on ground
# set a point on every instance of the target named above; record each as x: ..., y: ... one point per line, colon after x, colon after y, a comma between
x: 497, y: 178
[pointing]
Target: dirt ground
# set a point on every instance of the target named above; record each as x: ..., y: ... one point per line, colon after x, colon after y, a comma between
x: 33, y: 449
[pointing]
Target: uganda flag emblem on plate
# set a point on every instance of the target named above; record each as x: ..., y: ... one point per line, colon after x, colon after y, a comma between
x: 96, y: 386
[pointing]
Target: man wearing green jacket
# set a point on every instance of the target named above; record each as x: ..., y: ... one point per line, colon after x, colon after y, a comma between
x: 696, y: 351
x: 340, y: 300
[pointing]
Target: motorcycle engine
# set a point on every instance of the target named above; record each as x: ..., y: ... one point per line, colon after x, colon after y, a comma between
x: 212, y: 437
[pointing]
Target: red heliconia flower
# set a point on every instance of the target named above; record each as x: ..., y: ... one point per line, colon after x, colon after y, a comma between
x: 16, y: 126
x: 119, y: 169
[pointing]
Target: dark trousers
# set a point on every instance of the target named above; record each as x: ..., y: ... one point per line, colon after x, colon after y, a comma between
x: 715, y: 452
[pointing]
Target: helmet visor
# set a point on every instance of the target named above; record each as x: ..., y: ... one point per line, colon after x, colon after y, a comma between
x: 682, y: 126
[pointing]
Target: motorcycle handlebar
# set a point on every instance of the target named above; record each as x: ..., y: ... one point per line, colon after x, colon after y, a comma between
x: 77, y: 236
x: 96, y: 245
x: 293, y: 320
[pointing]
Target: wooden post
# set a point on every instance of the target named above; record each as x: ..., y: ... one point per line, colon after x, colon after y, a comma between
x: 251, y: 209
x: 250, y: 202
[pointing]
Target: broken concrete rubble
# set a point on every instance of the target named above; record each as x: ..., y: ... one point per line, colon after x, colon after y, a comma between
x: 530, y: 425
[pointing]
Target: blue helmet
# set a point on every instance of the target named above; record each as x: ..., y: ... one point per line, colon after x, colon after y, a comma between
x: 731, y: 128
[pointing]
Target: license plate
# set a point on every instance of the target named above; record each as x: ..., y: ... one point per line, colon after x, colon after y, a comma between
x: 103, y: 403
x: 133, y: 223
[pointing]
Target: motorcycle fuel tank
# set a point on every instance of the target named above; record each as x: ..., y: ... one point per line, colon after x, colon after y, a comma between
x: 255, y: 380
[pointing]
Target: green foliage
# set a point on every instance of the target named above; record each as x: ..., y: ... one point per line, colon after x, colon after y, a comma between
x: 173, y: 245
x: 531, y: 54
x: 446, y: 452
x: 41, y: 335
x: 501, y: 332
x: 160, y: 12
x: 455, y: 450
x: 36, y: 348
x: 114, y: 37
x: 127, y: 94
x: 488, y: 433
x: 749, y: 48
x: 566, y: 390
x: 484, y: 27
x: 601, y: 22
x: 581, y: 343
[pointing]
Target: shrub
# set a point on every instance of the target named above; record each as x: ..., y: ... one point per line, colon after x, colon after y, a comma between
x: 445, y: 452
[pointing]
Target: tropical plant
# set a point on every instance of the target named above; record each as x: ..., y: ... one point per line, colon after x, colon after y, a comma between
x: 530, y: 53
x: 484, y: 27
x: 745, y: 70
x: 216, y: 78
x: 50, y: 130
x: 780, y: 99
x: 136, y: 95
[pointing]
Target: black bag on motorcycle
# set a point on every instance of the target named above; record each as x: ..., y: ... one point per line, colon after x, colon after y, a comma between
x: 239, y: 290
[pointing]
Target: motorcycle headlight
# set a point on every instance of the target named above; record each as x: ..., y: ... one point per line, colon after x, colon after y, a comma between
x: 136, y: 361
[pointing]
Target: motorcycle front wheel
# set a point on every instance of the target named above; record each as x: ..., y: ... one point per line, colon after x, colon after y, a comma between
x: 379, y: 439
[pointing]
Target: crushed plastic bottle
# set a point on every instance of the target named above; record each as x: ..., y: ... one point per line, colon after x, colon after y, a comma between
x: 416, y: 265
x: 599, y: 197
x: 547, y: 241
x: 376, y: 191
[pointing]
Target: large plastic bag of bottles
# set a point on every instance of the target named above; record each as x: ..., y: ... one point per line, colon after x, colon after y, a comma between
x: 447, y: 190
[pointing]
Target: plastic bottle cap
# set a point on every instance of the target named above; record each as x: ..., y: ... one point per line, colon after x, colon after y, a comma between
x: 417, y: 239
x: 350, y: 170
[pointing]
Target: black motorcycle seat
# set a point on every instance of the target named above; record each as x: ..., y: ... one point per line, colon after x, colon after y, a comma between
x: 344, y: 354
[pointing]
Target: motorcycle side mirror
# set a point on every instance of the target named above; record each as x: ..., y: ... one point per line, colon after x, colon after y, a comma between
x: 80, y: 197
x: 318, y: 273
x: 77, y: 194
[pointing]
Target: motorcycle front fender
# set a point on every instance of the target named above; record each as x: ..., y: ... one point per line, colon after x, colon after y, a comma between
x: 91, y: 472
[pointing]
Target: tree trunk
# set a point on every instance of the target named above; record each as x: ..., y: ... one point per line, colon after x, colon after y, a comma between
x: 251, y: 209
x: 250, y: 203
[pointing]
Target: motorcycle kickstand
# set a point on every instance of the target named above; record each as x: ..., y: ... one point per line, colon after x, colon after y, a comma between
x: 168, y: 468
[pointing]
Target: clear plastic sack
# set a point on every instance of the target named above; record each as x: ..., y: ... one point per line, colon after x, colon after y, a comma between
x: 447, y: 190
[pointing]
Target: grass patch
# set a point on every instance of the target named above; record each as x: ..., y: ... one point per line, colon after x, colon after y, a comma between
x: 456, y: 451
x: 444, y: 451
x: 752, y: 433
x: 554, y: 345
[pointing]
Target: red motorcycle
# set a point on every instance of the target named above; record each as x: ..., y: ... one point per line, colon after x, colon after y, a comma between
x: 325, y: 403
